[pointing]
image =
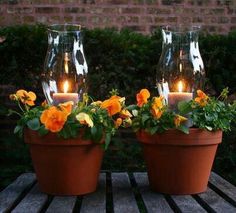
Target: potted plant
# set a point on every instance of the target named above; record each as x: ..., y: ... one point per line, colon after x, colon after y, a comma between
x: 179, y: 158
x: 67, y: 140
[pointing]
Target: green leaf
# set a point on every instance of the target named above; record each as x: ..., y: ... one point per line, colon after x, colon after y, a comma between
x: 131, y: 107
x: 87, y: 135
x: 152, y: 130
x: 33, y: 124
x: 144, y: 118
x: 93, y: 131
x: 107, y: 140
x: 42, y: 131
x: 183, y: 129
x: 18, y: 129
x: 184, y: 107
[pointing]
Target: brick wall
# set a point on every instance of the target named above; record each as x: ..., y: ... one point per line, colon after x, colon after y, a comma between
x: 216, y: 16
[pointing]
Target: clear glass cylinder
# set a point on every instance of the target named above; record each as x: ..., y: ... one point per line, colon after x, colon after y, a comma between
x: 64, y: 77
x: 180, y: 71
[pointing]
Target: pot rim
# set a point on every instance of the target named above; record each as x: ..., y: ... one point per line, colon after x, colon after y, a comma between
x: 51, y: 139
x: 175, y: 137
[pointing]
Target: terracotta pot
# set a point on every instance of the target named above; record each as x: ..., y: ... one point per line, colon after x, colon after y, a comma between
x: 64, y: 167
x: 179, y: 163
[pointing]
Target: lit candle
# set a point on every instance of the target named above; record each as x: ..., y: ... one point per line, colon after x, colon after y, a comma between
x: 65, y: 96
x: 175, y: 97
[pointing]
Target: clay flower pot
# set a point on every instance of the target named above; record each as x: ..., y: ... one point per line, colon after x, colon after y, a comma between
x: 64, y: 167
x: 179, y: 163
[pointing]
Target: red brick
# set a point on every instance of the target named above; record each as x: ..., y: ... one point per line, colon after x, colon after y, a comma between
x: 156, y: 2
x: 159, y: 19
x: 47, y: 10
x: 74, y: 10
x: 170, y: 2
x: 158, y: 11
x: 109, y: 10
x: 54, y: 19
x: 172, y: 19
x: 68, y: 19
x: 233, y: 20
x: 218, y: 11
x: 136, y: 28
x: 197, y: 19
x: 29, y: 19
x: 131, y: 10
x: 81, y: 19
x: 116, y: 2
x: 121, y: 19
x: 223, y: 20
x: 24, y: 10
x: 142, y: 15
x: 133, y: 19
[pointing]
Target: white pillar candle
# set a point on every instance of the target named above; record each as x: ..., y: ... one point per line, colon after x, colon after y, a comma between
x: 65, y: 96
x: 175, y: 97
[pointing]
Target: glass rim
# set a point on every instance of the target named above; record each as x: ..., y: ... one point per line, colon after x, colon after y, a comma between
x: 64, y: 28
x: 181, y: 29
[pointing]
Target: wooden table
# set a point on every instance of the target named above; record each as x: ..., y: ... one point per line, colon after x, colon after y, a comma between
x: 117, y: 192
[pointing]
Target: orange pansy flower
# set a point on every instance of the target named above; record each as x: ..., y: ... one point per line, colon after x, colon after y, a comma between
x: 118, y: 122
x: 53, y: 119
x: 66, y: 107
x: 112, y: 105
x: 201, y: 98
x: 142, y: 97
x: 26, y: 97
x: 44, y: 104
x: 157, y: 107
x: 179, y: 119
x: 125, y: 114
x: 157, y: 113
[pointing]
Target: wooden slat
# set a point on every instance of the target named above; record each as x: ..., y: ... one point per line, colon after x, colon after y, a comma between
x: 123, y: 197
x: 154, y: 202
x: 62, y: 204
x: 223, y: 185
x: 186, y: 203
x: 32, y: 203
x: 96, y: 202
x: 216, y: 202
x: 9, y: 195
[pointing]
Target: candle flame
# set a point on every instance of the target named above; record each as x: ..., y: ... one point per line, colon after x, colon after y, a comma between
x: 66, y: 86
x: 180, y: 86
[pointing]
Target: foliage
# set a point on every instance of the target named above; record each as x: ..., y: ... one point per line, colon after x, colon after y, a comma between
x: 154, y: 116
x: 95, y: 120
x: 22, y: 55
x: 218, y: 55
x: 205, y: 112
x: 123, y: 60
x: 225, y: 162
x: 209, y: 112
